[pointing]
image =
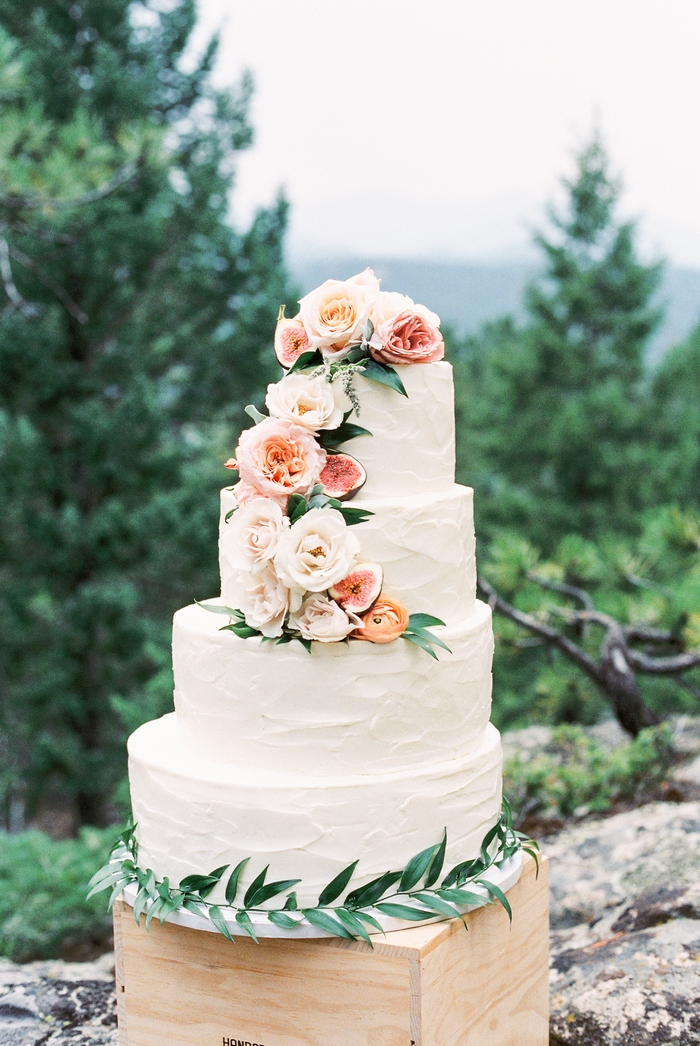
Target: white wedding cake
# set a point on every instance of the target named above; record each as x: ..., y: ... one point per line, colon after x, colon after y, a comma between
x: 291, y: 747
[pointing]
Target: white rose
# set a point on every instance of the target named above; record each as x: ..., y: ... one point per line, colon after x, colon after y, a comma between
x: 317, y: 551
x: 390, y: 304
x: 335, y: 313
x: 249, y: 541
x: 322, y: 619
x: 264, y: 600
x: 308, y: 402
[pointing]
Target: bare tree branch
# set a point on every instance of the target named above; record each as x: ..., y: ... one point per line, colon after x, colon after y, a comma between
x: 573, y: 591
x: 70, y: 306
x: 16, y: 299
x: 551, y: 635
x: 28, y: 203
x: 664, y: 666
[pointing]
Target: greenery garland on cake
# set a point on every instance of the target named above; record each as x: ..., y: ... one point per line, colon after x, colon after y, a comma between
x: 413, y: 893
x: 299, y: 569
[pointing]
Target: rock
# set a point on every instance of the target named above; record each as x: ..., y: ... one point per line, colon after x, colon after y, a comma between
x: 55, y: 1003
x: 598, y: 863
x: 632, y: 977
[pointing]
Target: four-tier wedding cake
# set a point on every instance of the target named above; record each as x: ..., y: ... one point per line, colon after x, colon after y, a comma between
x: 333, y: 705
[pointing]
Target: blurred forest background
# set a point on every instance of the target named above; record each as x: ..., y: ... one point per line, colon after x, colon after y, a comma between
x: 137, y: 324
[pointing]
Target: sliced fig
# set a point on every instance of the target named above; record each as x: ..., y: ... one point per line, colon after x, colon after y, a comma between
x: 291, y: 340
x: 360, y: 589
x: 342, y: 476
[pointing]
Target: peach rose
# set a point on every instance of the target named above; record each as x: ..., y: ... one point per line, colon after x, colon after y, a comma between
x: 413, y: 336
x: 334, y: 314
x: 276, y: 459
x: 385, y: 622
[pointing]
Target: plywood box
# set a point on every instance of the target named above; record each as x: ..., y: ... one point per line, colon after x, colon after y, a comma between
x: 433, y: 985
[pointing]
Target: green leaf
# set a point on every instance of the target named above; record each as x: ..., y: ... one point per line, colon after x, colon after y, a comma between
x: 107, y: 882
x: 139, y: 904
x: 264, y: 893
x: 242, y: 631
x: 423, y: 620
x: 357, y: 353
x: 191, y: 905
x: 403, y: 911
x: 437, y: 862
x: 255, y: 886
x: 337, y: 885
x: 284, y: 638
x: 214, y: 608
x: 232, y: 884
x: 536, y: 856
x: 255, y: 414
x: 496, y: 892
x: 296, y: 507
x: 326, y: 922
x: 282, y: 919
x: 369, y: 920
x: 344, y: 432
x: 462, y: 897
x: 244, y: 921
x: 217, y: 918
x: 416, y: 630
x: 385, y: 375
x: 416, y: 867
x: 291, y: 904
x: 463, y: 871
x: 312, y: 358
x: 116, y: 891
x: 353, y: 924
x: 352, y: 516
x: 437, y: 904
x: 218, y: 872
x: 154, y: 909
x: 422, y: 643
x: 306, y: 643
x: 371, y: 892
x: 229, y: 514
x: 197, y: 883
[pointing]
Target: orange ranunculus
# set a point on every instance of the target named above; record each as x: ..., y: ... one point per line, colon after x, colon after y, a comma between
x: 385, y: 622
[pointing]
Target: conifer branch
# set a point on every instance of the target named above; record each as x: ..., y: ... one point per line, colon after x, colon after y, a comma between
x: 29, y: 203
x: 70, y: 306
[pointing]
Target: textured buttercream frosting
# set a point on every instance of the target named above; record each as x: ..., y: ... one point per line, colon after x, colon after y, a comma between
x: 195, y: 815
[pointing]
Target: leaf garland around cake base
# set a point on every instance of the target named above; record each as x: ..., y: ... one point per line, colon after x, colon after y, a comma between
x: 411, y: 894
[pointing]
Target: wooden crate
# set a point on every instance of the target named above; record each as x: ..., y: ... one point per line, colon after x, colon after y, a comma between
x: 434, y: 985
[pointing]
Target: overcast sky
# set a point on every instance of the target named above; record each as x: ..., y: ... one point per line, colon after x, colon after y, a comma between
x: 440, y: 128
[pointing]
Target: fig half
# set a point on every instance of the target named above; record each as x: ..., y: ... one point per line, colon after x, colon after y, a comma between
x: 291, y: 340
x: 342, y: 476
x: 360, y: 589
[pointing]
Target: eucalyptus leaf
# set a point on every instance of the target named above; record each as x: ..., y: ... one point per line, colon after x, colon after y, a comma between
x: 195, y: 883
x: 118, y: 889
x: 264, y: 893
x: 255, y: 886
x: 191, y: 906
x: 255, y: 414
x: 371, y: 892
x: 326, y: 922
x: 411, y: 637
x: 424, y: 620
x: 139, y: 904
x: 431, y: 900
x: 498, y: 893
x: 337, y: 885
x: 416, y: 630
x: 154, y: 909
x: 215, y: 608
x: 385, y: 375
x: 216, y: 916
x: 353, y: 924
x: 437, y: 862
x: 416, y: 868
x: 291, y: 903
x: 244, y: 921
x: 369, y: 920
x: 462, y: 897
x: 232, y: 884
x: 282, y: 919
x: 403, y: 911
x: 312, y: 358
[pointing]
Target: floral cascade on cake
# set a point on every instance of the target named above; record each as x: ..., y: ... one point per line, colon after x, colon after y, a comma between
x: 313, y: 738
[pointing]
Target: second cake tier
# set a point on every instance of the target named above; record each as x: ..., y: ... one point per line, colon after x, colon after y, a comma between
x: 343, y: 708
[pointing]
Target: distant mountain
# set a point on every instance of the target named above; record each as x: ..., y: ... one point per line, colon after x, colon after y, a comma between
x: 466, y: 294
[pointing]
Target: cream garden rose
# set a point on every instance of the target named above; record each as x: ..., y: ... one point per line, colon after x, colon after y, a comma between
x: 321, y: 619
x: 308, y: 402
x: 317, y: 551
x: 265, y: 601
x: 335, y: 313
x: 251, y: 538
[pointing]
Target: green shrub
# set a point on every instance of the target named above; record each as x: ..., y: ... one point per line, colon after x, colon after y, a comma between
x: 43, y: 883
x: 576, y: 776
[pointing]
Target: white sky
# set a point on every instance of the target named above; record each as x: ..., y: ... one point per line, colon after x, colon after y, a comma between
x: 441, y: 127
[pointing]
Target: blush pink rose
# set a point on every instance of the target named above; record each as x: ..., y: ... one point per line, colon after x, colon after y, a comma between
x: 276, y: 459
x: 413, y: 336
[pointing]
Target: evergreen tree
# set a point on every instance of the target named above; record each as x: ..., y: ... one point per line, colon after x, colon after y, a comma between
x: 137, y: 325
x: 552, y: 413
x: 674, y: 422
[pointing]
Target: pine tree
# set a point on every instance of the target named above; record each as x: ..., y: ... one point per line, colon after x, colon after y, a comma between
x: 553, y: 412
x: 137, y: 326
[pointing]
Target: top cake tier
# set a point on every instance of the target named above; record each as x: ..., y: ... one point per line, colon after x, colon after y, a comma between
x: 412, y: 446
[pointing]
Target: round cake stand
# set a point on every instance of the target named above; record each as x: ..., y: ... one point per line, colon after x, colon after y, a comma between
x: 503, y: 876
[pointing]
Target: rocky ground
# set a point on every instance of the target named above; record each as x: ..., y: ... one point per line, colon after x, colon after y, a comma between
x: 625, y: 942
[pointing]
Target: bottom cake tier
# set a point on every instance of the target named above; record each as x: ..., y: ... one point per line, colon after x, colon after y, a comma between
x: 194, y: 815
